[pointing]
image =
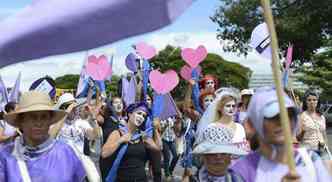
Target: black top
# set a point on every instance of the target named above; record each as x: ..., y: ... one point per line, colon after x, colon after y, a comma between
x: 132, y: 166
x: 106, y: 163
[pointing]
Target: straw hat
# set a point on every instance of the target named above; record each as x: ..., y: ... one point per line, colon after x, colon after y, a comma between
x: 218, y: 139
x: 34, y: 101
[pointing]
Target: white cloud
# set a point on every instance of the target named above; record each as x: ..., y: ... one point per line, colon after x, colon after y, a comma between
x: 208, y: 39
x: 55, y: 66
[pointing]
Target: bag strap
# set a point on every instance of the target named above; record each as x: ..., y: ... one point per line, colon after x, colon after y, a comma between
x: 21, y: 163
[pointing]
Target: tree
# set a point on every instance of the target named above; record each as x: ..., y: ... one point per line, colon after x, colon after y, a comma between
x: 319, y: 73
x: 228, y: 73
x: 307, y: 24
x: 70, y: 81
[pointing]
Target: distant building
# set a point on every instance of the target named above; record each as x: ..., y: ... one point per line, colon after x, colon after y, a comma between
x: 264, y: 79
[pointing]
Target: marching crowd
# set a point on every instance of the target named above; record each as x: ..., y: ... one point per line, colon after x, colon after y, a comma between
x: 222, y: 135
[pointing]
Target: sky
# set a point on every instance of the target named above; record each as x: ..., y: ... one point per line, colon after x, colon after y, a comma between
x: 192, y: 29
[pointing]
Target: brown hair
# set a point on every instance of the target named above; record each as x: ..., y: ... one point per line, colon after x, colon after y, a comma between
x: 221, y: 104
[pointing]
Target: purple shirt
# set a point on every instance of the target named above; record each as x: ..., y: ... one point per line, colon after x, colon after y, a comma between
x: 59, y: 164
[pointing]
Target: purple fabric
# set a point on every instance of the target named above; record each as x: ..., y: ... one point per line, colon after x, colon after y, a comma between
x: 15, y: 92
x: 3, y: 95
x: 169, y: 107
x: 246, y: 167
x: 52, y: 27
x: 60, y: 164
x: 129, y: 90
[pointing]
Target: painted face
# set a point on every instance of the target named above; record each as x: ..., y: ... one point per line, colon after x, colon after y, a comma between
x: 312, y: 102
x: 138, y: 117
x: 209, y: 84
x: 229, y: 108
x: 35, y: 126
x: 117, y: 105
x: 149, y: 101
x: 217, y: 164
x: 207, y: 101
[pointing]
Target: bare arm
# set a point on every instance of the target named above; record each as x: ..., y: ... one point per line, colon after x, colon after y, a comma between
x: 3, y: 138
x: 150, y: 144
x: 113, y: 142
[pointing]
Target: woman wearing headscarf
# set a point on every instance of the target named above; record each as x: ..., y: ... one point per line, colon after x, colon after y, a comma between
x: 36, y: 156
x: 129, y: 144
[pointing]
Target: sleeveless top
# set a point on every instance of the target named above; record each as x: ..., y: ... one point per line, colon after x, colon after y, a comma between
x: 313, y: 130
x: 132, y: 166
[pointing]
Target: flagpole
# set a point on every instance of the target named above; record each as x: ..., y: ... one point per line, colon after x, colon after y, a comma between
x: 277, y: 80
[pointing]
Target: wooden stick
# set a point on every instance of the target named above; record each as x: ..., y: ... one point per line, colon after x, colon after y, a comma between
x: 277, y: 80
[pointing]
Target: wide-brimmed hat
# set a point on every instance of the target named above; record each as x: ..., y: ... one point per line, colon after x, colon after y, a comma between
x: 218, y: 139
x: 34, y: 101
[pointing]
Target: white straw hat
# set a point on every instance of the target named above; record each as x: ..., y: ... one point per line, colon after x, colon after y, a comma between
x: 218, y: 139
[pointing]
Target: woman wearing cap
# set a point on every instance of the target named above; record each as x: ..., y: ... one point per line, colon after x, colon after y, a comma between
x: 312, y: 130
x: 216, y: 149
x: 35, y: 156
x: 129, y: 145
x: 269, y: 162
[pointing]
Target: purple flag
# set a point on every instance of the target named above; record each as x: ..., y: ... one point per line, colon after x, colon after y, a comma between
x: 3, y: 95
x: 15, y: 92
x: 52, y: 27
x: 169, y: 107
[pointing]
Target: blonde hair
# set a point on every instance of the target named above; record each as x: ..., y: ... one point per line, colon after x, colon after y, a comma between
x: 221, y: 104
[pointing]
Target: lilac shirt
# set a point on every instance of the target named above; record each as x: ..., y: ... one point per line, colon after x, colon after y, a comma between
x: 255, y: 168
x: 59, y: 164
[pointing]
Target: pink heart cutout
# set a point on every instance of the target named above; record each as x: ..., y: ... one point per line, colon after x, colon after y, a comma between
x: 194, y: 56
x: 163, y: 83
x: 186, y: 71
x: 98, y: 68
x: 146, y: 51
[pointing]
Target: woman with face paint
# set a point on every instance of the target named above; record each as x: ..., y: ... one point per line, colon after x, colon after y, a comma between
x: 206, y: 98
x: 226, y: 109
x: 209, y: 82
x: 118, y: 109
x: 132, y: 165
x: 269, y: 162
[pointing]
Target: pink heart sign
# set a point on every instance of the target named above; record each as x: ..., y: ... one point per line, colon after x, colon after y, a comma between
x: 163, y: 83
x: 146, y: 51
x: 186, y: 71
x: 194, y: 56
x: 98, y: 68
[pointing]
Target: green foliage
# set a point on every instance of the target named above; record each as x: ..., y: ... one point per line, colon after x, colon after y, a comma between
x: 67, y: 81
x: 70, y: 81
x: 319, y: 73
x: 305, y: 23
x: 228, y: 73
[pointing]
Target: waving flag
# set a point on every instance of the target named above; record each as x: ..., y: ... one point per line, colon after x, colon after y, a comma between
x: 52, y: 27
x: 3, y: 95
x: 15, y: 92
